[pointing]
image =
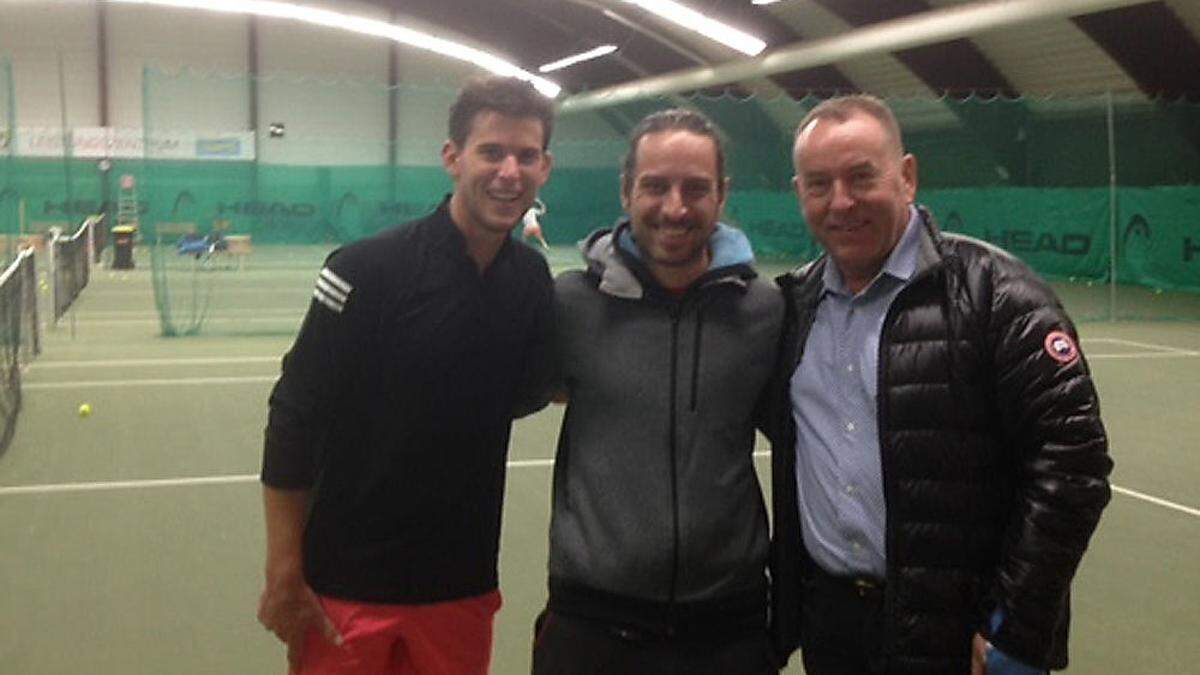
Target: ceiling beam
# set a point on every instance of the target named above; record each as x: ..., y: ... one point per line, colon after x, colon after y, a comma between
x: 954, y: 67
x: 1152, y: 45
x: 907, y: 32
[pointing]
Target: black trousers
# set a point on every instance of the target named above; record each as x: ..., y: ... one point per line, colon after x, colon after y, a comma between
x: 568, y: 645
x: 842, y: 625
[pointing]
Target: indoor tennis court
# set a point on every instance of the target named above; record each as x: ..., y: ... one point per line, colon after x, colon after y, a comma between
x: 172, y: 177
x: 138, y: 531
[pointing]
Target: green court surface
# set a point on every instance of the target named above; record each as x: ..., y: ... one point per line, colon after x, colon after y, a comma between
x: 133, y: 538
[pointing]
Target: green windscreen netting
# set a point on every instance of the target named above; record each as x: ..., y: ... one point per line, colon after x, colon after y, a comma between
x: 234, y: 221
x: 9, y: 199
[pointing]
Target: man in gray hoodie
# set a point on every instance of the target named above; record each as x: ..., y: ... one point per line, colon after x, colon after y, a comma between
x: 658, y: 540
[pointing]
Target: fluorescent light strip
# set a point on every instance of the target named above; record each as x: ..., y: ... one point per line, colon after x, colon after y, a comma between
x: 578, y: 58
x: 404, y: 35
x: 693, y: 20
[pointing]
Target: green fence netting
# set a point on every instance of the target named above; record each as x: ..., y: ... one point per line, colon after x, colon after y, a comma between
x: 327, y: 162
x: 9, y: 199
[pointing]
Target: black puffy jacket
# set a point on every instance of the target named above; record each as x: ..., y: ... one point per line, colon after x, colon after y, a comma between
x: 995, y: 461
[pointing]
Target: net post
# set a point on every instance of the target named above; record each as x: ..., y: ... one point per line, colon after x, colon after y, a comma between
x: 91, y: 240
x: 52, y: 270
x: 1112, y: 212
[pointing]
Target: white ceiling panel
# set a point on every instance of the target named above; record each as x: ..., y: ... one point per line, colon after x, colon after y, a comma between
x: 878, y: 74
x: 1049, y: 58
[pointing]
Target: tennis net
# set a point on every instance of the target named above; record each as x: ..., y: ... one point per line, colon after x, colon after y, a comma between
x: 19, y: 337
x: 71, y: 258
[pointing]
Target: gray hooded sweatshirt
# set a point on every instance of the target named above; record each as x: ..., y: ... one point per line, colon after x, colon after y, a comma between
x: 658, y: 518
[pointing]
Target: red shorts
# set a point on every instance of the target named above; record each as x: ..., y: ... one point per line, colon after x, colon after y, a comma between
x: 443, y: 638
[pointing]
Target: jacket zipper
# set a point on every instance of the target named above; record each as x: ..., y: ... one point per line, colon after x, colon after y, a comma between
x: 881, y: 410
x: 675, y: 316
x: 696, y: 356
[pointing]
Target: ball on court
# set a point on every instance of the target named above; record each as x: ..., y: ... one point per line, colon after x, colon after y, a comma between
x: 85, y: 410
x: 1158, y: 291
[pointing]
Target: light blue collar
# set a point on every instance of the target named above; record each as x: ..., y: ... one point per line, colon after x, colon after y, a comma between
x: 901, y: 263
x: 728, y: 245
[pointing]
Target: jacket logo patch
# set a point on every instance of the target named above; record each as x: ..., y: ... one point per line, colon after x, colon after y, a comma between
x: 1061, y: 347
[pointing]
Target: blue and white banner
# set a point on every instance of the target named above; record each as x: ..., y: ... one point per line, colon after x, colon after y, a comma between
x: 102, y: 142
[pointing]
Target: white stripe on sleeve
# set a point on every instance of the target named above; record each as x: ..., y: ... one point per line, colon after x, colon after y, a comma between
x: 341, y: 284
x: 331, y: 291
x: 328, y: 301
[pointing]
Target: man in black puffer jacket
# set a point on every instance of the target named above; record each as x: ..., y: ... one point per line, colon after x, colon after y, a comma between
x: 939, y: 461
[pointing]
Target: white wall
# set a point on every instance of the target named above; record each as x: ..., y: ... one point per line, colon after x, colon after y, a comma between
x: 326, y: 116
x: 327, y: 86
x: 33, y: 35
x: 176, y: 40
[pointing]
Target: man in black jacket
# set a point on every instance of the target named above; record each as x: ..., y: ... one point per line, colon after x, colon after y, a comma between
x: 939, y: 461
x: 383, y: 468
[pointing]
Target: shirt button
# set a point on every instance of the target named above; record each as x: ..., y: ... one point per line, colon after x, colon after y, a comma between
x: 849, y: 489
x: 850, y: 368
x: 849, y: 426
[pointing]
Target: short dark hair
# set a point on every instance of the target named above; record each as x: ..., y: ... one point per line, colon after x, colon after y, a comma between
x: 505, y: 95
x: 675, y: 119
x: 841, y: 108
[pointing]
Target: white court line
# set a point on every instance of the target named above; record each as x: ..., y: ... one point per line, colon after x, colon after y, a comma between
x: 1144, y: 345
x: 126, y: 485
x: 203, y: 480
x: 150, y: 382
x: 114, y: 363
x: 258, y: 290
x: 233, y: 360
x: 295, y: 317
x: 1157, y: 500
x: 150, y: 313
x: 1143, y: 355
x: 229, y: 360
x: 102, y: 486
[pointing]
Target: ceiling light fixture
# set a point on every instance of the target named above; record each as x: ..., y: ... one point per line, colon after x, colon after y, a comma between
x: 763, y: 2
x: 364, y: 26
x: 710, y: 28
x: 578, y: 58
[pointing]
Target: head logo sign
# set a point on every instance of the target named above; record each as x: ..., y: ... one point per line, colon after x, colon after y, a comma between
x: 1061, y: 347
x: 1138, y: 227
x: 953, y: 222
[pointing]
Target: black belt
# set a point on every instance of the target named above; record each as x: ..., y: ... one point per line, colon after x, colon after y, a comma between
x: 867, y: 588
x: 635, y: 618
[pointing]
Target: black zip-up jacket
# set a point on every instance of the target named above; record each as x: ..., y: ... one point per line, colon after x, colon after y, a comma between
x: 658, y: 517
x: 995, y: 461
x: 395, y: 405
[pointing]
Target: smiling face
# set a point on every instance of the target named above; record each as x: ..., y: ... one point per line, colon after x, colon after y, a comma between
x: 497, y: 172
x: 855, y: 188
x: 673, y: 199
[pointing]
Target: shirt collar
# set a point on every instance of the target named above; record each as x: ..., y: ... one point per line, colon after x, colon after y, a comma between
x: 452, y: 238
x: 901, y: 263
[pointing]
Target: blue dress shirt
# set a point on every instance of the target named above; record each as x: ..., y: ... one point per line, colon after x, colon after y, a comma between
x: 839, y: 476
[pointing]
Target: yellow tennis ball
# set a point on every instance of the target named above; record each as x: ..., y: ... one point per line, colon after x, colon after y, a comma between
x: 85, y: 410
